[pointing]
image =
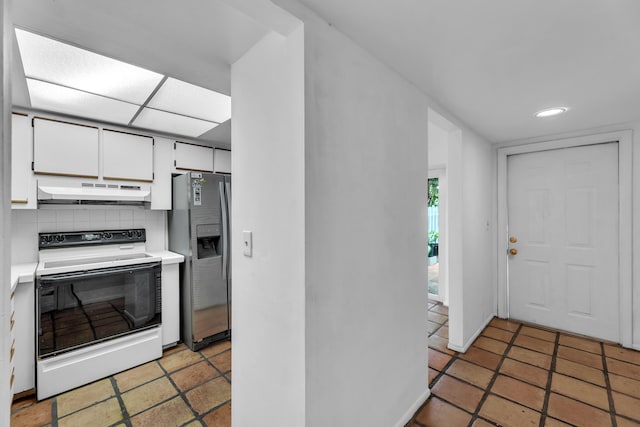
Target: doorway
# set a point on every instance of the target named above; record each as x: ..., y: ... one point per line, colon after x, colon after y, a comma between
x: 564, y: 206
x: 436, y: 232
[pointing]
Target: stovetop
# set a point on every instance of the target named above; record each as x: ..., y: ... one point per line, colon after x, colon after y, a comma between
x: 90, y: 238
x: 90, y: 250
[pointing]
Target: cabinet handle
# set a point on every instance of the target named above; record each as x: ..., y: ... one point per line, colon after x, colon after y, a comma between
x: 13, y: 377
x: 13, y: 322
x: 25, y: 201
x: 11, y: 353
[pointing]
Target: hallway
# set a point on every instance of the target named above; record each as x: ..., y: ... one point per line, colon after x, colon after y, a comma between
x: 518, y: 375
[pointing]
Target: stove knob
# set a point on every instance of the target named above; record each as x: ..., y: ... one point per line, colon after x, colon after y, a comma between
x: 139, y: 233
x: 59, y: 238
x: 107, y: 235
x: 130, y: 234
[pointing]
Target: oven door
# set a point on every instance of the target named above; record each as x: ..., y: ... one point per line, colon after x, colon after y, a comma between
x: 77, y: 309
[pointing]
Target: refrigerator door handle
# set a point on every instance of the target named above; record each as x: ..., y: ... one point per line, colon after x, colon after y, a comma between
x: 225, y: 232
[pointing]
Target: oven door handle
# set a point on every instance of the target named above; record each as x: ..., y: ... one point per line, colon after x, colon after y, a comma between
x: 88, y: 274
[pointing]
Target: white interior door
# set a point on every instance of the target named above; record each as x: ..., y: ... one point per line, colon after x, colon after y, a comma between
x: 563, y: 214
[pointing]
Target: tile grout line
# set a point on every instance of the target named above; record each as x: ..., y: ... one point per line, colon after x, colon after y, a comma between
x: 123, y: 408
x: 607, y: 382
x: 483, y: 399
x: 547, y: 390
x: 454, y: 357
x: 54, y: 412
x: 183, y: 394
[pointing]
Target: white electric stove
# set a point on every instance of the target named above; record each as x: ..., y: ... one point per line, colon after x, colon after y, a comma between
x: 98, y: 307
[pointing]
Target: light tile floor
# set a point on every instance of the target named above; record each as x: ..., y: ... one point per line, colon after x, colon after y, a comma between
x: 517, y: 375
x: 183, y: 388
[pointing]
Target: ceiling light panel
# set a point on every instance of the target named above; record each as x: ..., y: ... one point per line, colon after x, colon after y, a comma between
x: 60, y: 99
x: 55, y: 62
x: 190, y: 100
x: 172, y: 123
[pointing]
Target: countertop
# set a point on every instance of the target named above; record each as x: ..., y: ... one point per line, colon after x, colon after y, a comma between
x: 22, y: 273
x: 168, y: 257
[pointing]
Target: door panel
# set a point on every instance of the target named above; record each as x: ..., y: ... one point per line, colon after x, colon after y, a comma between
x: 563, y: 211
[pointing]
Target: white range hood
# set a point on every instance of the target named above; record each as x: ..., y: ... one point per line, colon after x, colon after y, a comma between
x: 93, y: 193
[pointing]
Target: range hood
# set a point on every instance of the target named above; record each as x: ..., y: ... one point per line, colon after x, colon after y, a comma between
x: 93, y: 193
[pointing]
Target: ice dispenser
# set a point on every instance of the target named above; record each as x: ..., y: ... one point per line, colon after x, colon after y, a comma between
x: 208, y: 240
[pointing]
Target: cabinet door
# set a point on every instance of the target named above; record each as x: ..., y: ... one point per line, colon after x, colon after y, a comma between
x: 25, y: 337
x: 23, y: 190
x: 162, y: 163
x: 61, y: 148
x: 222, y: 161
x: 193, y: 157
x: 170, y: 304
x: 127, y: 156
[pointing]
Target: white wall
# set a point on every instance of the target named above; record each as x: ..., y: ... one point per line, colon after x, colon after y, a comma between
x: 28, y: 223
x: 438, y: 146
x: 366, y: 234
x: 267, y: 85
x: 479, y: 284
x: 5, y: 215
x: 470, y: 251
x: 636, y: 232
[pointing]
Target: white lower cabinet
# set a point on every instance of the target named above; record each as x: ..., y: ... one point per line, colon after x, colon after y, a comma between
x: 170, y: 296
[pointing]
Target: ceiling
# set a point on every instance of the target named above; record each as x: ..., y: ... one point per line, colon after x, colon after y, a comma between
x: 492, y: 64
x: 192, y: 40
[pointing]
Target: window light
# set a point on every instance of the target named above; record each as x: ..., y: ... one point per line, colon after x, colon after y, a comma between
x: 190, y: 100
x: 172, y: 123
x: 46, y: 96
x: 55, y: 62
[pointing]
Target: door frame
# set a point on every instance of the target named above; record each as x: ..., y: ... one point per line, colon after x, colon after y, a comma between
x: 625, y: 180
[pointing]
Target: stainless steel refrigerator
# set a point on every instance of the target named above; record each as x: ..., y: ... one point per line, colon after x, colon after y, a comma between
x: 199, y: 226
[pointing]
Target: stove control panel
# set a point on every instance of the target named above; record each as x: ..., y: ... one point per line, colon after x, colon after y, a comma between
x: 87, y: 238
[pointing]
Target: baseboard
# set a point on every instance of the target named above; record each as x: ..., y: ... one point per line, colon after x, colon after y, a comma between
x: 413, y: 409
x: 470, y: 341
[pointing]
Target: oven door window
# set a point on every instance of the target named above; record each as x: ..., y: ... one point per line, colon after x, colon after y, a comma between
x: 82, y: 308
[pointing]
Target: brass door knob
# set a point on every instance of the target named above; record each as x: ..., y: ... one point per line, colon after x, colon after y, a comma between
x: 513, y: 251
x: 513, y: 239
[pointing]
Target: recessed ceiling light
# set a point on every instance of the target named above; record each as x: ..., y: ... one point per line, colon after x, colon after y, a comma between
x: 551, y: 112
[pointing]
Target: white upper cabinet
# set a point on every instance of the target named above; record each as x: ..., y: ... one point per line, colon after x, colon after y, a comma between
x: 66, y: 149
x: 193, y: 157
x: 161, y: 187
x: 23, y: 192
x: 127, y: 156
x: 221, y: 161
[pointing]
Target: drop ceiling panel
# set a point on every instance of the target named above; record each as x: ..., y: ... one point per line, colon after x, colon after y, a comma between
x: 50, y: 97
x: 172, y: 123
x: 190, y: 100
x: 55, y: 62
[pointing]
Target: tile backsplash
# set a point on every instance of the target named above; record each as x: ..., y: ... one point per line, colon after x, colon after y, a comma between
x: 26, y: 224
